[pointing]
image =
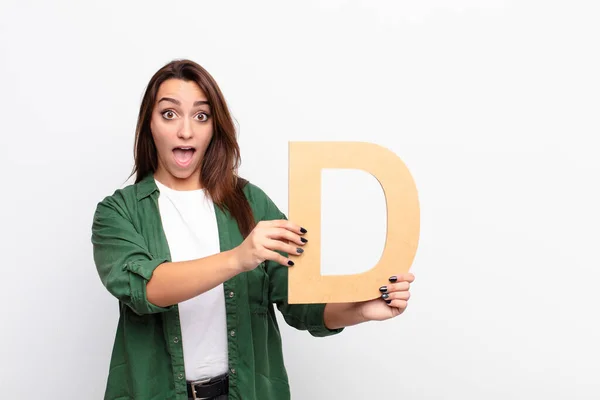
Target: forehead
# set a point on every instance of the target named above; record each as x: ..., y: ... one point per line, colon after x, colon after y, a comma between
x: 185, y: 91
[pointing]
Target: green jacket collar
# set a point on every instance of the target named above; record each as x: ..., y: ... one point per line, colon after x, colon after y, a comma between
x: 146, y: 186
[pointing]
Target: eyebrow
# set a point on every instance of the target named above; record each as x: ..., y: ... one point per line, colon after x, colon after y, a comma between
x: 196, y: 104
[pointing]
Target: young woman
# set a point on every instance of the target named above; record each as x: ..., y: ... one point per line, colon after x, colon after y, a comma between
x: 198, y: 256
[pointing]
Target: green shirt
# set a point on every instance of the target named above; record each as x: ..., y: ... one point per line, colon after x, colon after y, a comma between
x: 147, y: 358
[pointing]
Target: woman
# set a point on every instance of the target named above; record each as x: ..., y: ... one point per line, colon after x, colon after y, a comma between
x: 197, y: 256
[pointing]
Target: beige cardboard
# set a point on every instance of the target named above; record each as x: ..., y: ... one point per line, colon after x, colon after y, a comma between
x: 306, y: 160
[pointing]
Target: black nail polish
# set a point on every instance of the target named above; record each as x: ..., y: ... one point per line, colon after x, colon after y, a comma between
x: 383, y: 289
x: 303, y: 230
x: 385, y: 296
x: 290, y: 263
x: 299, y: 250
x: 394, y: 279
x: 388, y: 301
x: 303, y: 240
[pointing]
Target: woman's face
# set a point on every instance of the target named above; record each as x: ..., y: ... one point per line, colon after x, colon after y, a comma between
x: 181, y: 127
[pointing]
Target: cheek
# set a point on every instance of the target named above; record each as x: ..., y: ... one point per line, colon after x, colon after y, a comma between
x: 160, y: 133
x: 205, y: 133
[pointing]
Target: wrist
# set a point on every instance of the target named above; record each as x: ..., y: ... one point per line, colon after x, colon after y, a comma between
x: 340, y: 315
x: 359, y: 311
x: 234, y: 262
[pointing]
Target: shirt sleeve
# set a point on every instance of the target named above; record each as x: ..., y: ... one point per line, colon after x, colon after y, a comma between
x: 308, y: 317
x: 122, y: 259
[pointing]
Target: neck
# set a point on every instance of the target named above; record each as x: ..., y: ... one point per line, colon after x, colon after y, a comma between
x: 190, y: 183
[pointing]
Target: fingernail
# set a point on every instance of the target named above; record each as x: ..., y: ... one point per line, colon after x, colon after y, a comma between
x: 304, y: 240
x: 385, y: 296
x: 290, y: 263
x: 388, y: 301
x: 383, y: 289
x: 394, y: 279
x: 303, y: 230
x: 299, y: 250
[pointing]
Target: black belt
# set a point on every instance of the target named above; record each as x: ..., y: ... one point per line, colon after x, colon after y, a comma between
x: 208, y: 388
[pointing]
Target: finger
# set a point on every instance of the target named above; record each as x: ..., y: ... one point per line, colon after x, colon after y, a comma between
x: 288, y: 225
x: 396, y: 296
x: 400, y: 304
x: 408, y: 277
x: 278, y: 258
x: 277, y: 245
x: 284, y: 234
x: 398, y: 287
x: 395, y: 287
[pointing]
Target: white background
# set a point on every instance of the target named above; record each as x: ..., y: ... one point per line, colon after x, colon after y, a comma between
x: 493, y: 105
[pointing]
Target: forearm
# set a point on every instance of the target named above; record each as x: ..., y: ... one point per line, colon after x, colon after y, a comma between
x: 175, y: 282
x: 340, y: 315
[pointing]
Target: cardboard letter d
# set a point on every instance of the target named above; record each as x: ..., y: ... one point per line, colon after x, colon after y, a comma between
x: 307, y: 159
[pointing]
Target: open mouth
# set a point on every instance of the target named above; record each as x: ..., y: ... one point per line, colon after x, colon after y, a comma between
x: 183, y: 155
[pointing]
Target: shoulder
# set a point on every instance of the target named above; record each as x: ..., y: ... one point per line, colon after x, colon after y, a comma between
x: 254, y: 193
x: 262, y: 205
x: 120, y: 203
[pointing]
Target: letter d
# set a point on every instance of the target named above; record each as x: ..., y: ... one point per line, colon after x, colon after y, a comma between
x: 306, y: 160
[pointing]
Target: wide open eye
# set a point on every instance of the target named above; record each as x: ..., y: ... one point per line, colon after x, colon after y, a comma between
x: 202, y: 117
x: 168, y: 114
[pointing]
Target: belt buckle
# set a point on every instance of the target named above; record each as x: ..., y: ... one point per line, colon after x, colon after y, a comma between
x: 199, y: 382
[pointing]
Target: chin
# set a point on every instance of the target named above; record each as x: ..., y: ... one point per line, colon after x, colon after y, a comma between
x: 183, y: 174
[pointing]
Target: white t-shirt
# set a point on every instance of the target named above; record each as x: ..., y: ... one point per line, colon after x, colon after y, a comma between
x: 190, y: 226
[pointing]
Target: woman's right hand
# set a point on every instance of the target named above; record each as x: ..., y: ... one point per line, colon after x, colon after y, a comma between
x: 265, y: 240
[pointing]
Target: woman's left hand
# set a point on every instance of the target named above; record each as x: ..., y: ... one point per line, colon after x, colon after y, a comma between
x: 393, y: 300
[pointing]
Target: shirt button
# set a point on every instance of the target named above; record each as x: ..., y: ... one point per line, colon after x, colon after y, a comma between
x: 176, y: 340
x: 230, y: 294
x: 233, y: 371
x: 180, y: 376
x: 232, y: 333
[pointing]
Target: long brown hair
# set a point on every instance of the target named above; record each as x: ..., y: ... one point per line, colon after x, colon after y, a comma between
x: 218, y: 171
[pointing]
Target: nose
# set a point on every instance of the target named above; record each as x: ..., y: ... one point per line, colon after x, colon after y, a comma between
x: 185, y: 130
